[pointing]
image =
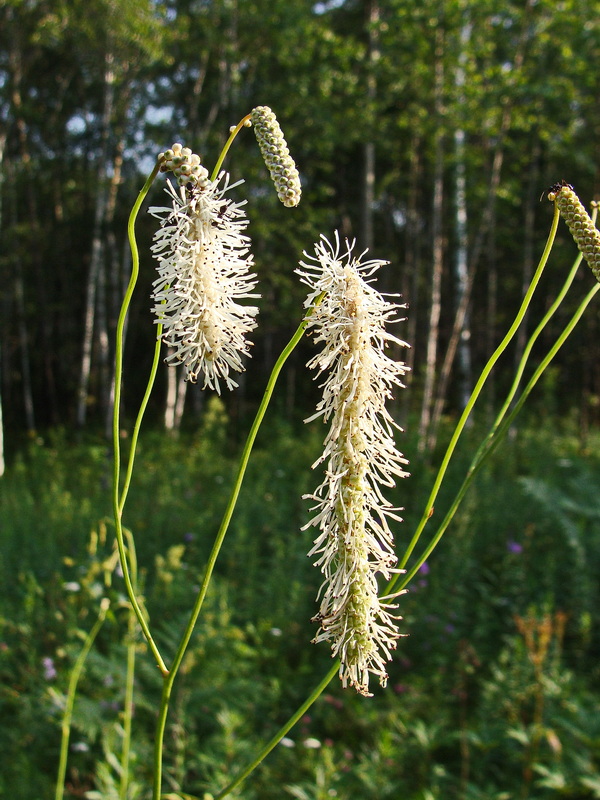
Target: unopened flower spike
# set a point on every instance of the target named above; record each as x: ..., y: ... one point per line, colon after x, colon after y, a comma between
x: 355, y: 543
x: 204, y: 271
x: 185, y: 165
x: 583, y: 230
x: 276, y: 155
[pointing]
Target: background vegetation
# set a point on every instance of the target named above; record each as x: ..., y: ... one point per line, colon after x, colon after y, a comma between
x: 493, y: 693
x: 428, y: 131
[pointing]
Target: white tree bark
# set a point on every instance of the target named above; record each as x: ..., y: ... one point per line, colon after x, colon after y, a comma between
x: 461, y: 277
x: 97, y: 257
x: 437, y: 252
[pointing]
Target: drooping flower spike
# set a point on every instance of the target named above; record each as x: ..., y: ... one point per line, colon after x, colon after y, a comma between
x: 355, y: 543
x: 583, y: 230
x: 204, y: 272
x: 276, y: 155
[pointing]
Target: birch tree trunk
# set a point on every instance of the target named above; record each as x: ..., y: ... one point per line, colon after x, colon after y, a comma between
x: 460, y: 224
x: 120, y: 280
x: 182, y: 386
x: 484, y: 227
x: 97, y: 257
x: 369, y: 147
x: 171, y: 398
x: 412, y: 264
x: 175, y: 399
x: 437, y: 249
x: 16, y: 77
x: 110, y: 297
x: 462, y: 309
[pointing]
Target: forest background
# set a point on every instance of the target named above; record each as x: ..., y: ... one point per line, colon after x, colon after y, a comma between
x: 427, y: 131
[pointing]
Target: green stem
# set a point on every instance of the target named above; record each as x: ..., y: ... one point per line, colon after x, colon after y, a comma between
x: 129, y: 677
x: 503, y: 423
x: 482, y: 450
x: 498, y: 436
x: 117, y: 504
x: 138, y: 422
x: 70, y: 699
x: 228, y: 143
x: 280, y: 733
x: 527, y: 351
x: 187, y: 634
x: 429, y: 507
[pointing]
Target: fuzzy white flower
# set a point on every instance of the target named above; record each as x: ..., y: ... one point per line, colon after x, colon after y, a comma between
x: 355, y: 542
x: 204, y: 271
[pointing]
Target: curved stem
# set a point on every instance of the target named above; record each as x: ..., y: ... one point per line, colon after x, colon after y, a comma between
x: 228, y: 144
x: 534, y: 336
x: 169, y: 678
x: 493, y: 441
x: 138, y: 422
x: 129, y: 676
x: 117, y: 505
x: 489, y: 443
x: 429, y: 507
x: 280, y: 733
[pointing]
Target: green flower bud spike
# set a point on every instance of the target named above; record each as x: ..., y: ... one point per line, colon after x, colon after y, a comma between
x: 276, y: 155
x: 184, y: 165
x: 583, y: 230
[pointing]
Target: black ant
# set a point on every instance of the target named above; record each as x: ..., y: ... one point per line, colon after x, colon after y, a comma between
x: 554, y: 189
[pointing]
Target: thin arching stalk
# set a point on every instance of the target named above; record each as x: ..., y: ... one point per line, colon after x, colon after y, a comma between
x: 496, y: 438
x: 117, y: 502
x: 474, y: 396
x: 70, y: 700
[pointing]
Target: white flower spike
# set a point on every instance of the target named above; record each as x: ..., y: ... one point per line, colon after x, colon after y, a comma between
x: 355, y: 543
x: 204, y: 271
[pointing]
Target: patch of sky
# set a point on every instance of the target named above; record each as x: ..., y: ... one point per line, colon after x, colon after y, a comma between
x: 159, y: 115
x: 76, y: 125
x: 327, y: 5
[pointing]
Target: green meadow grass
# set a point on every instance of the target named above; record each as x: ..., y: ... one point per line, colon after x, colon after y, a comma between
x: 493, y: 694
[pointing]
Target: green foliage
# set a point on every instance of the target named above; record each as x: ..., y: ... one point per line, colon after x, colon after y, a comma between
x: 492, y: 695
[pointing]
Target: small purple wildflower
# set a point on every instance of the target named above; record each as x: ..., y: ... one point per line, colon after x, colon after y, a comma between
x: 49, y: 668
x: 424, y: 568
x: 514, y: 547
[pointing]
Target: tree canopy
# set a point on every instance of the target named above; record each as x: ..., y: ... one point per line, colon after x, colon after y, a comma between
x: 385, y: 105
